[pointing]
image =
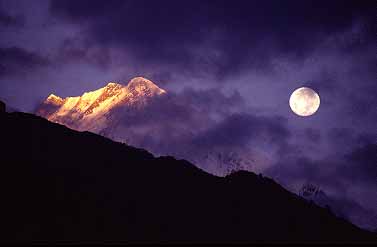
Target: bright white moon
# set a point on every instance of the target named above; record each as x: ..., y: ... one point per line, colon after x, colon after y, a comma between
x: 304, y: 101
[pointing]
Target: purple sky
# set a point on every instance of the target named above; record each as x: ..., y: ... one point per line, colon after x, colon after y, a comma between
x: 229, y: 67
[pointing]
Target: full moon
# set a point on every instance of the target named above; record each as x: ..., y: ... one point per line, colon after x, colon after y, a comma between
x: 304, y: 101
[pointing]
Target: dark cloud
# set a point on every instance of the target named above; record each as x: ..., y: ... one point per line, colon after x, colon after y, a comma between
x: 353, y: 138
x: 78, y: 51
x: 170, y: 122
x: 361, y: 164
x: 359, y: 105
x: 225, y: 37
x: 242, y: 129
x: 151, y: 19
x: 185, y: 107
x: 313, y: 135
x: 295, y: 168
x: 7, y: 20
x: 16, y: 61
x: 353, y: 159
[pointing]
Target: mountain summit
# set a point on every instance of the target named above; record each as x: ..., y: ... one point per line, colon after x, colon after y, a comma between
x: 92, y: 111
x: 144, y: 87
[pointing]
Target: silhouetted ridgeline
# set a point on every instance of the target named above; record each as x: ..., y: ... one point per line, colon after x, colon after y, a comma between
x: 2, y: 106
x: 61, y: 185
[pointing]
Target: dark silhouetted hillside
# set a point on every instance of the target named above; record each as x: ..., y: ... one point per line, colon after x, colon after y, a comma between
x: 62, y: 185
x: 2, y: 107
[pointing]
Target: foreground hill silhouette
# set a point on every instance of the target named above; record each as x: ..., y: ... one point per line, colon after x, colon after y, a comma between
x: 62, y: 185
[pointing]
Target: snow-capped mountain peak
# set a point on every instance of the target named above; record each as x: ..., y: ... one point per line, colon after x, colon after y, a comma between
x: 92, y: 111
x: 140, y: 85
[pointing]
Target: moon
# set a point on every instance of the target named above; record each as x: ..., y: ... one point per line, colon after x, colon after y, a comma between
x: 304, y: 101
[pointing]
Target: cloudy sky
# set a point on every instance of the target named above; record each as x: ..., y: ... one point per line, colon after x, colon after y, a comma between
x: 229, y: 68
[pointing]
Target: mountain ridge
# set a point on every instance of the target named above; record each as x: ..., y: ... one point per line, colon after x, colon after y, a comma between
x: 79, y: 186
